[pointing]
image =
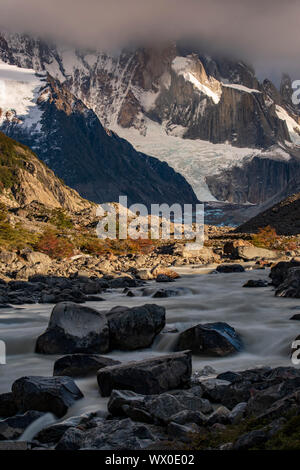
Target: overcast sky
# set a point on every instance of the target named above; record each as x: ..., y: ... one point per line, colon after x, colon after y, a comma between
x: 263, y: 32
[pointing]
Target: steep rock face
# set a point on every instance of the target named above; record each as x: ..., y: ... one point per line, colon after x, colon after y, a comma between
x: 284, y: 217
x: 24, y: 178
x: 70, y: 139
x: 263, y: 178
x: 212, y: 99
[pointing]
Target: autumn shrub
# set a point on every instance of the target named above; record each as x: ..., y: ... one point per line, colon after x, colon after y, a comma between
x: 55, y: 246
x: 265, y: 238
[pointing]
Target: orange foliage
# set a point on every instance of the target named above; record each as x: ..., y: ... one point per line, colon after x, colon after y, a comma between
x: 54, y: 246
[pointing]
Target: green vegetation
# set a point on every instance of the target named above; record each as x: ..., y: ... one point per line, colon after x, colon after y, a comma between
x: 12, y: 156
x: 14, y: 237
x: 60, y: 219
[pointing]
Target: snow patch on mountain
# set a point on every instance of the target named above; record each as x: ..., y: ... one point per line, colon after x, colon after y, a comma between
x: 292, y: 125
x: 240, y: 87
x: 19, y: 91
x: 183, y: 66
x: 194, y: 159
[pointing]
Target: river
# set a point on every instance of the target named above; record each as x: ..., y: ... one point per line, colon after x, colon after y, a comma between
x: 258, y: 316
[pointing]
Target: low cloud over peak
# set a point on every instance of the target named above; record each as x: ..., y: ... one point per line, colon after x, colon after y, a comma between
x: 264, y: 32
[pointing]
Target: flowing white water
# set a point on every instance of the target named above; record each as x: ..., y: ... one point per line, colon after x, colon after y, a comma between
x: 261, y: 319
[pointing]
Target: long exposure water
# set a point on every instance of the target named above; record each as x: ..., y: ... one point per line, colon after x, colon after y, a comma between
x: 259, y: 317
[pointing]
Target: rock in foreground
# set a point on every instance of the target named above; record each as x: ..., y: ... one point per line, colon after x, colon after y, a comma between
x: 53, y: 394
x: 135, y: 328
x: 150, y: 376
x: 81, y: 365
x: 210, y: 339
x: 74, y: 329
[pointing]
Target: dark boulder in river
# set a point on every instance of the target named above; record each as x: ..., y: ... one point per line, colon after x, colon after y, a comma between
x: 53, y: 394
x: 74, y: 329
x: 81, y: 365
x: 210, y: 339
x: 135, y: 328
x: 230, y: 268
x: 150, y: 376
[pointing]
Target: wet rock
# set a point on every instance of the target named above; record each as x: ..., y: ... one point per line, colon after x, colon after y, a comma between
x: 52, y: 434
x: 256, y: 283
x: 53, y: 394
x: 164, y: 278
x: 295, y: 317
x: 251, y: 439
x: 8, y: 406
x: 188, y: 416
x: 81, y: 365
x: 230, y: 268
x: 290, y: 287
x: 220, y: 416
x: 122, y: 282
x: 237, y: 413
x: 135, y: 328
x: 280, y: 271
x: 108, y: 435
x: 12, y: 428
x: 210, y: 339
x: 184, y: 433
x: 71, y: 439
x: 74, y: 329
x: 214, y: 389
x: 163, y: 407
x: 150, y: 376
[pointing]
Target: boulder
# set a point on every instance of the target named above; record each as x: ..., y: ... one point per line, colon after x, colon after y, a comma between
x: 164, y: 278
x: 35, y: 257
x: 7, y: 257
x: 295, y: 317
x: 210, y: 339
x: 108, y: 435
x: 150, y: 376
x: 205, y: 253
x: 74, y: 329
x: 13, y: 428
x: 81, y: 365
x: 53, y: 394
x: 135, y: 328
x: 280, y: 271
x: 249, y: 253
x: 144, y: 274
x: 256, y: 283
x: 184, y: 433
x: 290, y: 287
x: 251, y: 439
x: 8, y: 406
x: 230, y: 268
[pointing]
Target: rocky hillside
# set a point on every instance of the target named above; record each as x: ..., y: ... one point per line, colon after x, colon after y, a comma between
x: 24, y: 179
x: 44, y: 115
x: 284, y: 217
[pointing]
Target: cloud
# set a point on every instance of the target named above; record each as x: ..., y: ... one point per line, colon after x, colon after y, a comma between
x: 265, y: 32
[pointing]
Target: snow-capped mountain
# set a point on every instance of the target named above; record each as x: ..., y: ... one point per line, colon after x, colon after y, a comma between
x: 209, y: 118
x: 36, y: 110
